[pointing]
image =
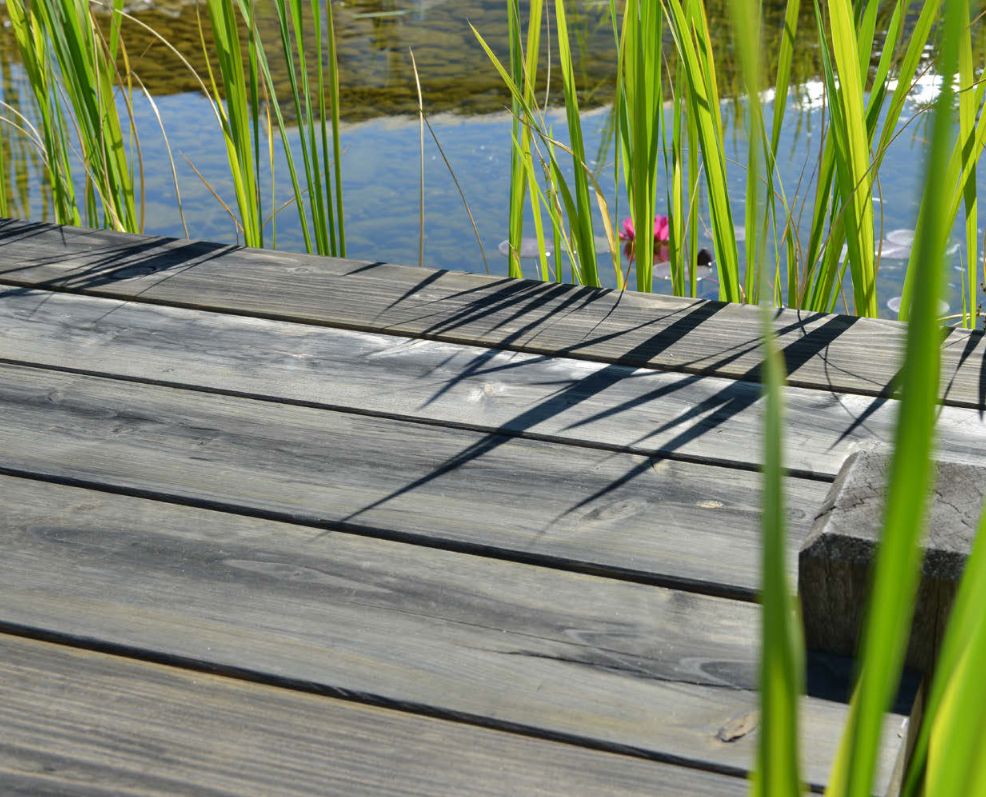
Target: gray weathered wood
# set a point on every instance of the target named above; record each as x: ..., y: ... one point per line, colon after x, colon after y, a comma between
x: 835, y: 563
x: 75, y: 721
x: 640, y: 410
x: 632, y: 666
x: 665, y: 521
x: 821, y: 351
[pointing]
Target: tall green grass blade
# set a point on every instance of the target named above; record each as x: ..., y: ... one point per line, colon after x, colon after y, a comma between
x: 532, y: 50
x: 560, y: 199
x: 290, y: 24
x: 676, y: 200
x: 694, y: 189
x: 852, y: 144
x: 968, y: 104
x: 641, y: 106
x: 421, y: 163
x: 690, y: 33
x: 334, y: 114
x: 782, y: 87
x: 524, y: 64
x: 315, y: 7
x: 948, y: 751
x: 235, y: 115
x: 916, y: 44
x: 65, y: 32
x: 518, y: 185
x: 581, y: 219
x: 898, y: 559
x: 781, y: 661
x: 36, y: 60
x: 4, y: 171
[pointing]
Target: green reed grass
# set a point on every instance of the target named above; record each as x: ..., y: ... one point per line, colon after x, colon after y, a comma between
x: 579, y: 208
x: 71, y: 71
x: 898, y: 561
x: 79, y: 75
x: 690, y: 30
x: 324, y: 220
x: 568, y: 209
x: 238, y: 106
x: 777, y: 768
x: 639, y: 123
x: 863, y: 114
x: 947, y: 757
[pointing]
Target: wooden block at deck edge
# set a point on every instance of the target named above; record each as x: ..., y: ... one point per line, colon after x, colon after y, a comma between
x: 835, y: 562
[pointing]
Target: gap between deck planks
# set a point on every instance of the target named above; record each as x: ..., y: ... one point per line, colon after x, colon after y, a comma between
x: 703, y: 419
x: 618, y: 514
x: 605, y: 664
x: 75, y: 720
x: 831, y: 352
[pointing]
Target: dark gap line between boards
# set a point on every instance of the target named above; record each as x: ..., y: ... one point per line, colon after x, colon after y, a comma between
x: 261, y: 677
x: 446, y: 337
x: 600, y: 570
x: 656, y: 455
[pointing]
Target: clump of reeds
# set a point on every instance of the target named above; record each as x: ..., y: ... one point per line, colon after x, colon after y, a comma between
x: 947, y: 757
x: 248, y: 108
x: 863, y: 114
x: 74, y: 76
x: 82, y: 119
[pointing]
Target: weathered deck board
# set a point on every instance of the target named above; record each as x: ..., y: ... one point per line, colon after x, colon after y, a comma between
x: 621, y: 514
x: 648, y: 412
x: 821, y: 351
x: 77, y: 722
x: 623, y: 665
x: 300, y: 479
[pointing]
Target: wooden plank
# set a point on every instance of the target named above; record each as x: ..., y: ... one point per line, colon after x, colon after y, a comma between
x: 562, y: 399
x: 631, y: 667
x: 79, y: 722
x: 621, y: 514
x: 840, y: 353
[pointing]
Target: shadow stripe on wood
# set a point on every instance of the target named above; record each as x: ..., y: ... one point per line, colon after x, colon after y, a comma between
x: 701, y: 419
x: 627, y: 667
x: 840, y: 353
x: 624, y: 515
x: 75, y: 720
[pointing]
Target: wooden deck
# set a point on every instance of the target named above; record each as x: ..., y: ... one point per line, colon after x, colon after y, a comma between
x: 276, y: 524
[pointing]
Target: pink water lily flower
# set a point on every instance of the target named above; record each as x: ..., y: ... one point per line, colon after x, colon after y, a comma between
x: 662, y: 229
x: 626, y: 232
x: 662, y: 234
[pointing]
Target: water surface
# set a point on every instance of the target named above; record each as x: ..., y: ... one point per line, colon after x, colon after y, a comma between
x: 466, y: 103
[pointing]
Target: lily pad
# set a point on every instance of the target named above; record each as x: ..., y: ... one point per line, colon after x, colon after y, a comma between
x: 901, y: 237
x: 528, y: 248
x: 662, y: 271
x: 891, y: 251
x: 894, y: 306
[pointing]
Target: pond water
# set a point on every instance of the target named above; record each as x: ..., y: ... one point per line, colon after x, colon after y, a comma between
x: 466, y: 104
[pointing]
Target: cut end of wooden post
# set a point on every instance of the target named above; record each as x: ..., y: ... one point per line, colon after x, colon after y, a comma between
x: 835, y: 562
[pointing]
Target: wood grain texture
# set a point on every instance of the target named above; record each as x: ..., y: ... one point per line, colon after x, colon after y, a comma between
x: 620, y: 514
x: 77, y: 722
x: 840, y: 353
x: 555, y: 398
x: 495, y: 643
